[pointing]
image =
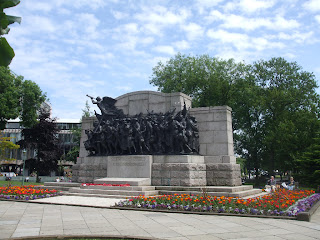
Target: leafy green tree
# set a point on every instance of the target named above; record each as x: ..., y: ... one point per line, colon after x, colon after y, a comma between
x: 18, y: 98
x: 290, y: 110
x: 208, y: 80
x: 73, y: 154
x: 275, y: 105
x: 43, y: 138
x: 6, y: 144
x: 6, y: 51
x: 307, y: 165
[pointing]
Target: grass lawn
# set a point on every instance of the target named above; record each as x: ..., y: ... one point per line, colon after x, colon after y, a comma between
x: 17, y: 183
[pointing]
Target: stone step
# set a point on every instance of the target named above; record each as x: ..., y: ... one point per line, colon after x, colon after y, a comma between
x: 59, y: 188
x: 62, y: 184
x: 130, y: 181
x: 113, y: 192
x: 206, y: 188
x: 94, y: 195
x: 239, y: 194
x: 131, y: 188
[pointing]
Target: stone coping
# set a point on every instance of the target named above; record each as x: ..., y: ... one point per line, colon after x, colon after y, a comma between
x: 303, y: 216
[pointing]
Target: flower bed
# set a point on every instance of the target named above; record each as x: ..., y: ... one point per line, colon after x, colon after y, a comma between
x: 275, y: 204
x: 105, y: 184
x: 26, y: 193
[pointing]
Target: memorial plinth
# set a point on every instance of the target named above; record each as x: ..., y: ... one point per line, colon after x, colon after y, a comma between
x: 214, y: 166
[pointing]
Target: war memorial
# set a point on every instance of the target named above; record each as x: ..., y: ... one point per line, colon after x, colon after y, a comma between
x: 158, y: 140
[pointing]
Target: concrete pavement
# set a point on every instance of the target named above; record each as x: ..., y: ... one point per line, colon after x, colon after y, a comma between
x: 24, y: 219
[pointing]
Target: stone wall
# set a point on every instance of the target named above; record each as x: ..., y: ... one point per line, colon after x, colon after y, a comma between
x: 144, y: 101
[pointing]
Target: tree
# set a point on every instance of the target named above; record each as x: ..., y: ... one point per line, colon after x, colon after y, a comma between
x: 42, y: 137
x: 73, y: 154
x: 307, y: 165
x: 6, y: 144
x: 18, y: 98
x: 275, y: 105
x: 207, y: 80
x: 290, y: 110
x: 6, y: 51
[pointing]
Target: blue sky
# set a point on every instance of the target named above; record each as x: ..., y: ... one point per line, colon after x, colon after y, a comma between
x: 108, y: 48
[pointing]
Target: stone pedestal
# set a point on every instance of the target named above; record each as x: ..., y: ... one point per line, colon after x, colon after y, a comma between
x: 215, y: 166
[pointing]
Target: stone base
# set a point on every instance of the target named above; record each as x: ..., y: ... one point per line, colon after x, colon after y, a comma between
x: 223, y: 174
x: 170, y: 170
x: 178, y: 174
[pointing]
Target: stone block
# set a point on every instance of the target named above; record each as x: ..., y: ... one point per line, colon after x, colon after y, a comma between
x: 212, y: 159
x: 156, y: 174
x: 122, y: 101
x: 206, y: 137
x: 228, y: 167
x: 130, y: 166
x: 178, y: 159
x: 203, y: 149
x: 165, y: 182
x: 220, y: 137
x: 217, y: 149
x: 188, y: 166
x: 229, y: 159
x: 212, y: 167
x: 138, y: 106
x: 139, y: 95
x: 204, y: 117
x: 156, y: 166
x: 165, y: 174
x: 158, y: 107
x: 174, y: 181
x: 170, y: 166
x: 156, y: 98
x: 156, y: 181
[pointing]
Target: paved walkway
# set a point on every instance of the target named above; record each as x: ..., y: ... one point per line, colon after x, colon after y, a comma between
x: 23, y: 219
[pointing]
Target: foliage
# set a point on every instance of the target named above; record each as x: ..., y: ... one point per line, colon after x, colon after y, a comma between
x: 208, y: 80
x: 5, y: 144
x: 42, y: 137
x: 275, y: 105
x: 276, y: 203
x: 18, y: 98
x: 6, y: 51
x: 73, y: 154
x: 26, y: 192
x: 86, y: 112
x: 308, y: 165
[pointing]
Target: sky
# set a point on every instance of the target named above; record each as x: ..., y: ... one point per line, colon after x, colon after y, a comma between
x: 109, y: 47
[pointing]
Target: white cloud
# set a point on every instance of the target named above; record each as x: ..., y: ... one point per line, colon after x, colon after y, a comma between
x: 76, y: 63
x: 203, y: 5
x: 92, y: 4
x: 252, y: 6
x: 296, y: 36
x: 41, y: 24
x: 101, y: 56
x: 193, y: 30
x: 161, y: 15
x: 243, y: 41
x: 119, y: 15
x: 317, y: 17
x: 181, y: 45
x: 89, y: 24
x: 312, y: 5
x: 39, y: 6
x: 165, y: 49
x: 249, y: 24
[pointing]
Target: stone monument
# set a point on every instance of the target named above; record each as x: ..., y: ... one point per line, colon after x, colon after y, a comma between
x: 197, y: 152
